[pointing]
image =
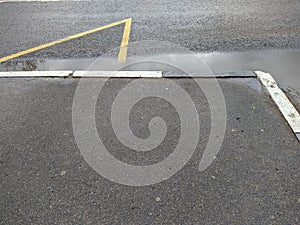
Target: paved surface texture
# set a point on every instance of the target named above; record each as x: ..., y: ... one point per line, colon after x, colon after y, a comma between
x: 253, y: 180
x: 196, y: 25
x: 45, y: 180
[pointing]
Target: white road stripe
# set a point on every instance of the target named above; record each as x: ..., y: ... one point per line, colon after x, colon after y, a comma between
x: 2, y: 1
x: 285, y: 106
x: 22, y: 74
x: 118, y: 74
x: 86, y: 74
x: 32, y: 1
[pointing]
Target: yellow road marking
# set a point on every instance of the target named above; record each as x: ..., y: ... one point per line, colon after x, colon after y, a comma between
x: 122, y: 54
x: 125, y: 41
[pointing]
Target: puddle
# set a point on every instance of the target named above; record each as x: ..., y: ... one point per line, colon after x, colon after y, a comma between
x: 284, y: 65
x: 250, y: 82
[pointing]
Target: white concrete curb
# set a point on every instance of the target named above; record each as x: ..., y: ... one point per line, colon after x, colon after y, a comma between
x: 118, y: 74
x: 283, y: 103
x: 86, y: 74
x: 12, y: 1
x: 23, y: 74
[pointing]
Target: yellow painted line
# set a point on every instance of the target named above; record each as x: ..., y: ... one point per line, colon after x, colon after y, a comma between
x: 126, y: 31
x: 125, y: 41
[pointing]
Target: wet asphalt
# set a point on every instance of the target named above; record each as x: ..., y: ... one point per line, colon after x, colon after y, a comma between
x: 196, y: 25
x: 44, y: 177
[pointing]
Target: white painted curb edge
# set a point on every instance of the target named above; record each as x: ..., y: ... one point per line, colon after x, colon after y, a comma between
x: 119, y: 74
x: 22, y: 74
x: 286, y: 108
x: 86, y: 74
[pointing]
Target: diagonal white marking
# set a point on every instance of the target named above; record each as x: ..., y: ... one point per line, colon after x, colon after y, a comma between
x: 285, y: 106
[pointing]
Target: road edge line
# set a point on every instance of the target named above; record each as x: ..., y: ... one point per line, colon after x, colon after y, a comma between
x: 41, y: 74
x: 284, y: 105
x: 82, y: 74
x: 117, y: 74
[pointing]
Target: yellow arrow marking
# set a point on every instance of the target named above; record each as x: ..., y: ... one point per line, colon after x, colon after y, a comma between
x: 123, y: 48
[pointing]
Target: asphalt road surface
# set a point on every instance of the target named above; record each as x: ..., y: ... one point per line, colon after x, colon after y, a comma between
x: 45, y: 179
x: 45, y: 175
x: 196, y: 25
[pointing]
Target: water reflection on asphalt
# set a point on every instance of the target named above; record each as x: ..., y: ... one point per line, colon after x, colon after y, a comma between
x: 284, y: 65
